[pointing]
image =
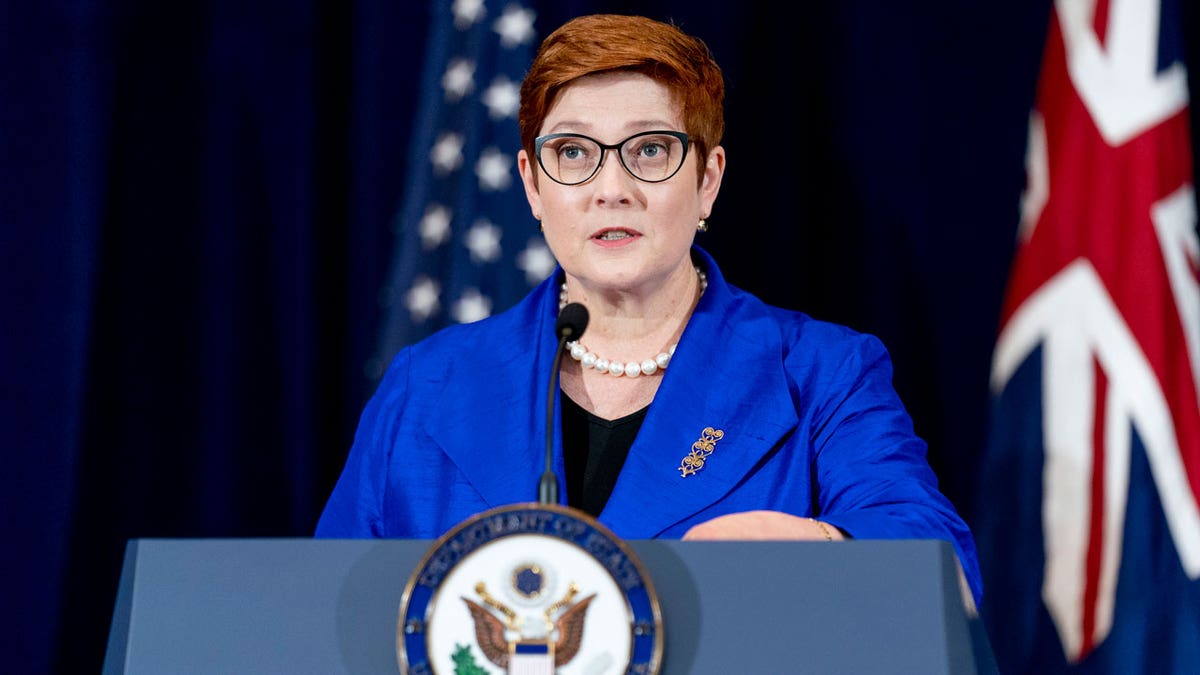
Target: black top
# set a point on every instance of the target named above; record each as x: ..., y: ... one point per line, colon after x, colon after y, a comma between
x: 594, y: 450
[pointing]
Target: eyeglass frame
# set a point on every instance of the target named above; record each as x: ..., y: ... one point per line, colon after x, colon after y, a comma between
x: 604, y: 148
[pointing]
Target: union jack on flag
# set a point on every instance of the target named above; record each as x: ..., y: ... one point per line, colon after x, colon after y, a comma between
x: 1089, y: 532
x: 466, y: 245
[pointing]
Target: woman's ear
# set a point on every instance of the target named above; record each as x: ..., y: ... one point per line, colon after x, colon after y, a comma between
x: 710, y: 181
x: 528, y: 171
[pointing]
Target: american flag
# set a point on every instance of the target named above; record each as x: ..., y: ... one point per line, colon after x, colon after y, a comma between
x: 466, y: 245
x: 1090, y: 528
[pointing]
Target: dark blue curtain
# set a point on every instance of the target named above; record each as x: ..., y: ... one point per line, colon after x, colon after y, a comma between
x: 195, y: 201
x: 196, y: 197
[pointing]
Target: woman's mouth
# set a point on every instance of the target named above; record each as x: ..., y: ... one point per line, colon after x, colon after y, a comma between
x: 613, y: 235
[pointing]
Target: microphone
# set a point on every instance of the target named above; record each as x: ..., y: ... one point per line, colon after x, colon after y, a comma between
x: 572, y: 320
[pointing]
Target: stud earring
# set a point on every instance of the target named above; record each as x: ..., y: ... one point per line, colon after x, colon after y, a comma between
x: 702, y: 226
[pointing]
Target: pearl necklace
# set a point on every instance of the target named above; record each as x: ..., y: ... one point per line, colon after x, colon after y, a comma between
x: 588, y: 359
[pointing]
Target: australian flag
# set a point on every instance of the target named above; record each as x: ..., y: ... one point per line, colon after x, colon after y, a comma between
x: 466, y: 244
x: 1089, y: 533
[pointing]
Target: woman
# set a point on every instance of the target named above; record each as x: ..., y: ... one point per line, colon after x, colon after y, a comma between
x: 690, y: 409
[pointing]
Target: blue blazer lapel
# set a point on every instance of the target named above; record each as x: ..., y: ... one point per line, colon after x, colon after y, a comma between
x: 494, y: 428
x: 726, y: 375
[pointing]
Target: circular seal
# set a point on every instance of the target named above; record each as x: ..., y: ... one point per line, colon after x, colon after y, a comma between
x: 529, y: 588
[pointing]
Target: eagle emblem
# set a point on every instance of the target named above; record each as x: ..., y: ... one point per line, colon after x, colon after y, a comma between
x: 501, y: 633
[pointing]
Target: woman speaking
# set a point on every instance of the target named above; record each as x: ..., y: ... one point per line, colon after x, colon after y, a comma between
x: 689, y: 408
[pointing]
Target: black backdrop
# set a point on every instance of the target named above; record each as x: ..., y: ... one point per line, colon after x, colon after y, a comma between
x: 195, y: 200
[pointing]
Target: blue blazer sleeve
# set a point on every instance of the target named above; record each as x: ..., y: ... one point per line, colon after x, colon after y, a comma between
x: 355, y: 509
x: 872, y: 475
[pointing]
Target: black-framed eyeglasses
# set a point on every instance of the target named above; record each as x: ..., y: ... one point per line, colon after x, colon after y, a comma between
x: 649, y: 156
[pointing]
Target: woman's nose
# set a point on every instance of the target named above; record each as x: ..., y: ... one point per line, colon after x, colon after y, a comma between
x: 612, y: 181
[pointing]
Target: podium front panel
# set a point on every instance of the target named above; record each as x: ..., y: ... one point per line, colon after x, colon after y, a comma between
x: 330, y: 606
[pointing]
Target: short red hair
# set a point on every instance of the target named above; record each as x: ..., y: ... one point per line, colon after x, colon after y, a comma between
x: 605, y: 42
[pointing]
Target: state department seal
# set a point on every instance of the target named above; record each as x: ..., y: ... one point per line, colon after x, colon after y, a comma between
x: 529, y: 589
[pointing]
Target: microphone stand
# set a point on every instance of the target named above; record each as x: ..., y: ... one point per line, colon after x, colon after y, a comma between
x: 572, y: 321
x: 548, y: 485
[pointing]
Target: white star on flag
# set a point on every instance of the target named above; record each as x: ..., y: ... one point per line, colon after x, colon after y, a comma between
x: 515, y: 26
x: 422, y: 299
x: 483, y: 241
x: 502, y: 98
x: 467, y: 12
x: 472, y: 306
x: 459, y: 79
x: 435, y: 226
x: 446, y: 154
x: 494, y: 170
x: 536, y: 261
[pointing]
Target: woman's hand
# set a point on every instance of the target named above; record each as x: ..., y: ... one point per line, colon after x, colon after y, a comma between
x: 763, y: 525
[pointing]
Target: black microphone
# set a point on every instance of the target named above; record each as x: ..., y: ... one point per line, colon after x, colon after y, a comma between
x: 572, y: 320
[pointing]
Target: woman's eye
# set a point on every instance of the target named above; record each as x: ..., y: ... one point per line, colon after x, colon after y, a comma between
x: 571, y: 152
x: 652, y: 149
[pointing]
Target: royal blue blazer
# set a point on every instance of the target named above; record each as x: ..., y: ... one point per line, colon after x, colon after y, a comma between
x: 812, y: 426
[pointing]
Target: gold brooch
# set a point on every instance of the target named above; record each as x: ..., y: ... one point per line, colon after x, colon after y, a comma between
x: 701, y: 449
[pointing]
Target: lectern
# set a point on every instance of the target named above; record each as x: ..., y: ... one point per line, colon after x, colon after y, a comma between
x: 300, y: 606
